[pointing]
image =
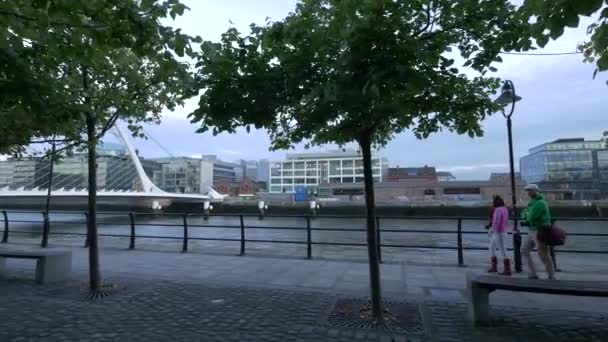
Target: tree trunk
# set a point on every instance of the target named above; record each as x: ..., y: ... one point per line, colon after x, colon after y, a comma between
x: 47, y: 207
x: 372, y: 250
x: 94, y: 272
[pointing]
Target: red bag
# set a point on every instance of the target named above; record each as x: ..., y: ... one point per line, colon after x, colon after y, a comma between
x: 552, y: 236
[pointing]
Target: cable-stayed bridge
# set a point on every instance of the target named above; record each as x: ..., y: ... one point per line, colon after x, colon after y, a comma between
x: 121, y: 181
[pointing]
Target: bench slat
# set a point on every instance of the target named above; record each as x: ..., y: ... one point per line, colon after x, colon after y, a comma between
x: 566, y: 287
x: 19, y: 256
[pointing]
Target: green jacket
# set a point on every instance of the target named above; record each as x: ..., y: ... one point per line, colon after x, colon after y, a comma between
x: 538, y: 214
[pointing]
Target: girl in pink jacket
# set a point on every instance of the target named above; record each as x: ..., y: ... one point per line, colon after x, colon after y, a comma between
x: 498, y: 236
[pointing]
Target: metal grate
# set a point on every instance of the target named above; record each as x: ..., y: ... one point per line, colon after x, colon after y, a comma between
x: 355, y: 313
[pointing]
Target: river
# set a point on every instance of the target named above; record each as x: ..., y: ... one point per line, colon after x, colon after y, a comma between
x: 151, y: 228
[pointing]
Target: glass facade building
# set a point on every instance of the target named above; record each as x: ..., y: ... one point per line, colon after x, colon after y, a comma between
x: 309, y: 170
x: 568, y: 169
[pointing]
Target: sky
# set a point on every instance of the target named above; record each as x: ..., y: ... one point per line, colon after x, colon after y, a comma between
x: 560, y: 100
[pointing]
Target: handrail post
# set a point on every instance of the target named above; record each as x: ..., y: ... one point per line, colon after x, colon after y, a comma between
x: 460, y: 248
x: 308, y: 239
x: 132, y: 222
x: 45, y: 230
x: 242, y: 234
x: 185, y: 245
x: 378, y: 239
x: 87, y: 242
x: 5, y: 234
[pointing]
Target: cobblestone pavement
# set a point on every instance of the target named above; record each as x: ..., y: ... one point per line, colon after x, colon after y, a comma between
x: 157, y: 310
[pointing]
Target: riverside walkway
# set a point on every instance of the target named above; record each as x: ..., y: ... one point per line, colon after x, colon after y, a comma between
x: 162, y: 296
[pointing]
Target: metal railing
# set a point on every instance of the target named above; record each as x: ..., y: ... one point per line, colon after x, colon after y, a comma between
x: 187, y: 225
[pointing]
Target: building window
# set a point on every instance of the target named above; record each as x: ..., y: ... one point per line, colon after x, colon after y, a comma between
x: 311, y: 165
x: 299, y: 166
x: 462, y: 191
x: 334, y: 180
x: 334, y: 167
x: 300, y: 181
x: 347, y: 163
x: 287, y: 166
x: 359, y: 179
x: 275, y: 181
x: 275, y: 189
x: 287, y: 180
x: 311, y: 180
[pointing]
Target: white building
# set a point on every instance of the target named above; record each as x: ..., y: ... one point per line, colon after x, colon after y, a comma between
x: 309, y: 170
x: 194, y: 175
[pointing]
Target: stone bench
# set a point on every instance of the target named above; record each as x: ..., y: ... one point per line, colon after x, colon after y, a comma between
x: 51, y: 264
x: 479, y: 287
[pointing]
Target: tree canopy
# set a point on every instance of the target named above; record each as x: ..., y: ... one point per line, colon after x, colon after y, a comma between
x: 334, y: 70
x: 549, y: 19
x: 130, y: 61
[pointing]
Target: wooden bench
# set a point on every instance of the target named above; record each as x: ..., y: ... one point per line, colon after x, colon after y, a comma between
x: 479, y: 287
x: 51, y: 265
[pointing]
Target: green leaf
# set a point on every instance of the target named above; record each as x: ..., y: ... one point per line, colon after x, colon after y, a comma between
x: 542, y: 40
x: 602, y: 63
x: 584, y: 7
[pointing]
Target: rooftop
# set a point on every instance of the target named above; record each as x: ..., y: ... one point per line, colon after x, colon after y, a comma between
x: 324, y: 155
x: 569, y: 144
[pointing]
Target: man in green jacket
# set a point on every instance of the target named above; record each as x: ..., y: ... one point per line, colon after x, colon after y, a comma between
x: 538, y: 217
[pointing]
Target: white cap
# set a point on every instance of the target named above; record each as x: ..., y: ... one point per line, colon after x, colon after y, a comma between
x: 531, y: 187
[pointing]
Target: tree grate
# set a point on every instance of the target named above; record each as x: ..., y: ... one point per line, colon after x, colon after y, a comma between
x: 355, y: 313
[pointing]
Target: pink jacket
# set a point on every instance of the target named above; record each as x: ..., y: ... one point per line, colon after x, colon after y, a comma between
x: 500, y: 219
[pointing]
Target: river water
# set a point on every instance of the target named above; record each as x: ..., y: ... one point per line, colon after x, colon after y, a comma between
x: 165, y: 233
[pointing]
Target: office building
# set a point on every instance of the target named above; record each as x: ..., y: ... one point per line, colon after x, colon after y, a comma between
x: 397, y: 174
x: 310, y: 170
x: 18, y: 172
x: 444, y: 176
x: 256, y: 170
x: 115, y: 171
x: 179, y: 175
x: 568, y: 169
x: 263, y: 171
x: 195, y: 175
x: 429, y: 190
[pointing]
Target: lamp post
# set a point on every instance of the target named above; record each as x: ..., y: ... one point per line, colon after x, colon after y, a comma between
x: 506, y: 98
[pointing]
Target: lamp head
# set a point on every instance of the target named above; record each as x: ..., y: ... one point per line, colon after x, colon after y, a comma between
x: 507, y: 96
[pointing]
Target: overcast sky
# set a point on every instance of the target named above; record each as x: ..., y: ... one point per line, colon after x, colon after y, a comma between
x: 560, y: 100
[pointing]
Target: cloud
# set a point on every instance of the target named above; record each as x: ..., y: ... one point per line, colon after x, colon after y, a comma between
x: 230, y: 152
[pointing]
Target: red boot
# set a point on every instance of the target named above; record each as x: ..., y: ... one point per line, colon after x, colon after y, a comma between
x: 494, y: 267
x: 507, y: 268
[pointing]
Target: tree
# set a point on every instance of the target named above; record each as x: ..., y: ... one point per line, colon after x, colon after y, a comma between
x: 338, y: 71
x: 550, y: 18
x: 90, y: 64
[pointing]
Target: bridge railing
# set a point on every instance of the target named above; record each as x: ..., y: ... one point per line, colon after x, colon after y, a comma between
x: 187, y: 224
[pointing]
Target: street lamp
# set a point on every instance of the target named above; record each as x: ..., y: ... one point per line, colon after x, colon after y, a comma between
x: 506, y: 98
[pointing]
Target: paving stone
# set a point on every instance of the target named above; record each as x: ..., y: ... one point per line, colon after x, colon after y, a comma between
x: 151, y: 306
